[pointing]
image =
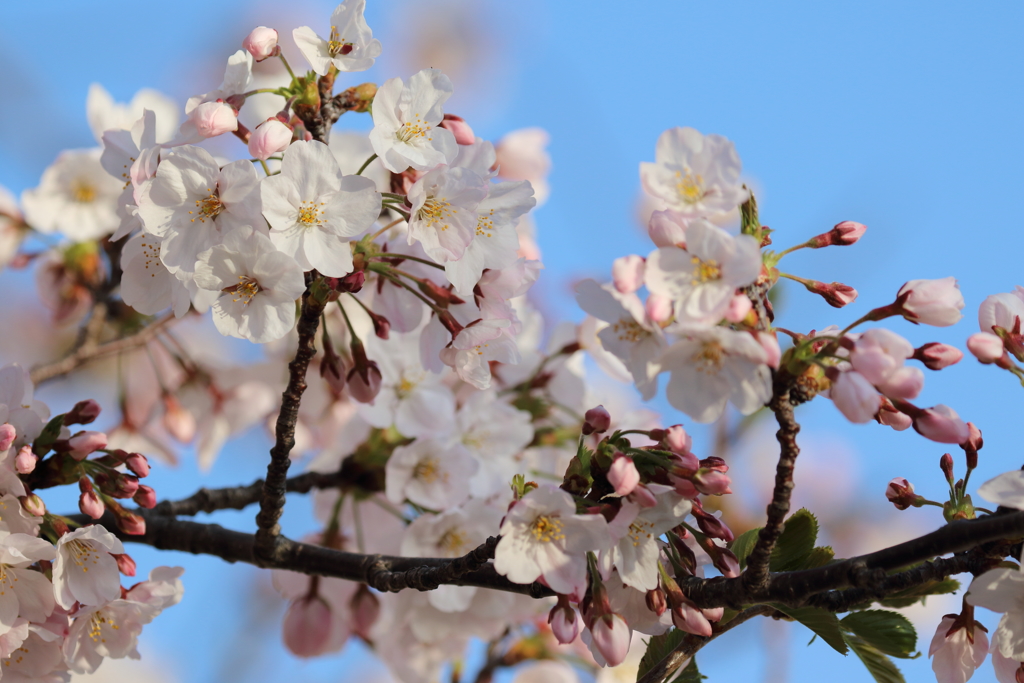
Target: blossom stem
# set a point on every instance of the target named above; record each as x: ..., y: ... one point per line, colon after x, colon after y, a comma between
x: 790, y: 250
x: 266, y: 169
x: 348, y: 323
x: 287, y: 66
x: 365, y: 164
x: 411, y: 258
x: 385, y: 229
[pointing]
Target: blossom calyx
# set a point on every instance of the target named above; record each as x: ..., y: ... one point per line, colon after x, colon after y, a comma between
x: 364, y: 379
x: 83, y: 413
x: 900, y: 493
x: 596, y: 421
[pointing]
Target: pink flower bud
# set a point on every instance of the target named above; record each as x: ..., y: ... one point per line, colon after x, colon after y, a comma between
x: 364, y: 383
x: 958, y: 651
x: 269, y: 138
x: 711, y: 525
x: 972, y: 445
x: 623, y: 475
x: 179, y: 422
x: 946, y: 465
x: 684, y: 487
x: 656, y: 601
x: 611, y: 638
x: 628, y: 273
x: 137, y: 463
x: 900, y: 493
x: 459, y: 128
x: 739, y: 307
x: 835, y: 294
x: 25, y: 461
x: 932, y: 302
x: 688, y: 617
x: 565, y: 625
x: 889, y: 416
x: 596, y: 421
x: 130, y: 523
x: 854, y: 396
x: 84, y: 444
x: 643, y: 497
x: 7, y: 435
x: 770, y: 343
x: 677, y: 440
x: 83, y: 413
x: 713, y: 614
x: 658, y: 308
x: 727, y: 563
x: 667, y: 229
x: 941, y: 424
x: 903, y: 383
x: 90, y: 504
x: 261, y: 43
x: 307, y: 627
x: 986, y: 347
x: 214, y: 118
x: 145, y: 497
x: 125, y: 564
x: 365, y: 611
x: 937, y: 356
x: 843, y: 234
x: 34, y: 505
x: 353, y: 282
x: 712, y: 482
x: 381, y: 325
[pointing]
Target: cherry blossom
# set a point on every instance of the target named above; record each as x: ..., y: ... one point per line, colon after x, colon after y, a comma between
x: 75, y: 197
x: 637, y: 530
x: 932, y: 302
x: 405, y: 123
x: 109, y: 630
x: 104, y: 114
x: 429, y: 473
x: 1002, y: 590
x: 85, y: 571
x: 351, y: 46
x: 24, y: 592
x: 444, y: 216
x: 957, y: 651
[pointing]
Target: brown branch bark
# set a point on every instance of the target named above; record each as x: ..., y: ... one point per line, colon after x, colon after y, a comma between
x: 88, y: 352
x: 755, y: 578
x: 272, y: 499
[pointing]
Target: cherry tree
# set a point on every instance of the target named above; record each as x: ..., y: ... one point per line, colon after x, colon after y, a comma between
x: 468, y: 481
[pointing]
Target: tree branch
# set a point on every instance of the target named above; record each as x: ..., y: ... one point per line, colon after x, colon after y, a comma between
x: 755, y: 578
x: 89, y: 352
x: 274, y: 487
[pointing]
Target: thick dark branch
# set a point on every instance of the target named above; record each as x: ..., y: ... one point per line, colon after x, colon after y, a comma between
x: 690, y: 644
x: 274, y: 487
x: 866, y: 571
x: 241, y: 497
x: 755, y: 578
x: 384, y: 572
x: 91, y: 351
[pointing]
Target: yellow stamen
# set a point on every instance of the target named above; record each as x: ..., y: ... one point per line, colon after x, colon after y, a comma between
x: 546, y: 529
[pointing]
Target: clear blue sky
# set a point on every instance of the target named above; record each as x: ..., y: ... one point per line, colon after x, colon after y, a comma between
x: 904, y: 116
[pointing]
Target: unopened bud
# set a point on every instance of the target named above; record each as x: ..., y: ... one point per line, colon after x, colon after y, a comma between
x: 656, y: 601
x: 7, y: 435
x: 381, y: 325
x: 137, y: 463
x: 843, y: 234
x: 936, y: 355
x: 712, y: 526
x: 365, y: 611
x: 269, y: 138
x: 90, y: 504
x: 972, y: 445
x: 364, y: 382
x: 83, y: 444
x: 145, y: 497
x: 835, y: 294
x: 596, y: 421
x: 986, y: 347
x: 214, y: 118
x: 946, y: 465
x: 628, y: 273
x: 261, y: 44
x: 83, y: 413
x: 125, y: 563
x: 33, y: 504
x: 565, y: 625
x: 128, y: 522
x: 677, y: 440
x: 623, y: 475
x: 351, y: 283
x: 739, y: 307
x: 712, y: 482
x: 658, y: 308
x: 450, y: 323
x: 459, y: 128
x: 900, y: 493
x: 667, y: 229
x: 25, y: 461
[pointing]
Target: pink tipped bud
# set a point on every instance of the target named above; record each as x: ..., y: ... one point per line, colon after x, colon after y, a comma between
x: 459, y: 128
x: 855, y: 397
x: 364, y: 382
x: 932, y: 302
x: 623, y: 475
x: 688, y: 617
x: 381, y: 325
x: 7, y: 435
x: 842, y: 235
x: 739, y: 307
x: 972, y: 445
x: 83, y: 444
x: 713, y: 614
x: 656, y: 601
x: 214, y: 118
x: 137, y: 463
x: 712, y: 482
x: 145, y: 497
x: 936, y: 356
x: 118, y: 485
x: 596, y: 421
x: 365, y: 611
x: 986, y: 347
x: 352, y: 283
x: 307, y: 627
x: 33, y: 505
x: 125, y: 564
x: 25, y: 461
x: 713, y: 462
x: 941, y: 424
x: 835, y: 294
x: 83, y: 413
x: 611, y: 638
x: 565, y: 625
x: 712, y: 526
x: 677, y: 440
x: 628, y: 273
x: 900, y: 493
x: 727, y: 563
x: 658, y: 308
x: 889, y: 416
x: 130, y: 523
x: 667, y: 229
x: 262, y: 43
x: 90, y: 504
x: 269, y: 138
x: 946, y: 465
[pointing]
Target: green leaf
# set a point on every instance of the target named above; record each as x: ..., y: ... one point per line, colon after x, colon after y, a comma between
x: 49, y: 434
x: 879, y: 666
x: 908, y: 597
x: 822, y: 622
x: 749, y: 224
x: 795, y: 543
x: 690, y: 674
x: 890, y: 633
x: 659, y: 647
x: 819, y: 557
x: 743, y: 544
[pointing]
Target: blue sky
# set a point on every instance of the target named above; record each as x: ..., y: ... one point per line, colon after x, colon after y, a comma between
x: 903, y: 116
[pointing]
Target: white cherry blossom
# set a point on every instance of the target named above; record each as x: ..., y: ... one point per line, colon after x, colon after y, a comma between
x: 443, y: 217
x: 24, y: 592
x: 429, y: 473
x: 75, y: 197
x: 494, y: 432
x: 103, y: 631
x: 259, y: 283
x: 314, y: 210
x: 85, y: 570
x: 351, y: 46
x: 1002, y: 590
x: 104, y: 114
x: 146, y: 283
x: 696, y: 175
x: 637, y: 530
x: 19, y: 408
x: 405, y: 122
